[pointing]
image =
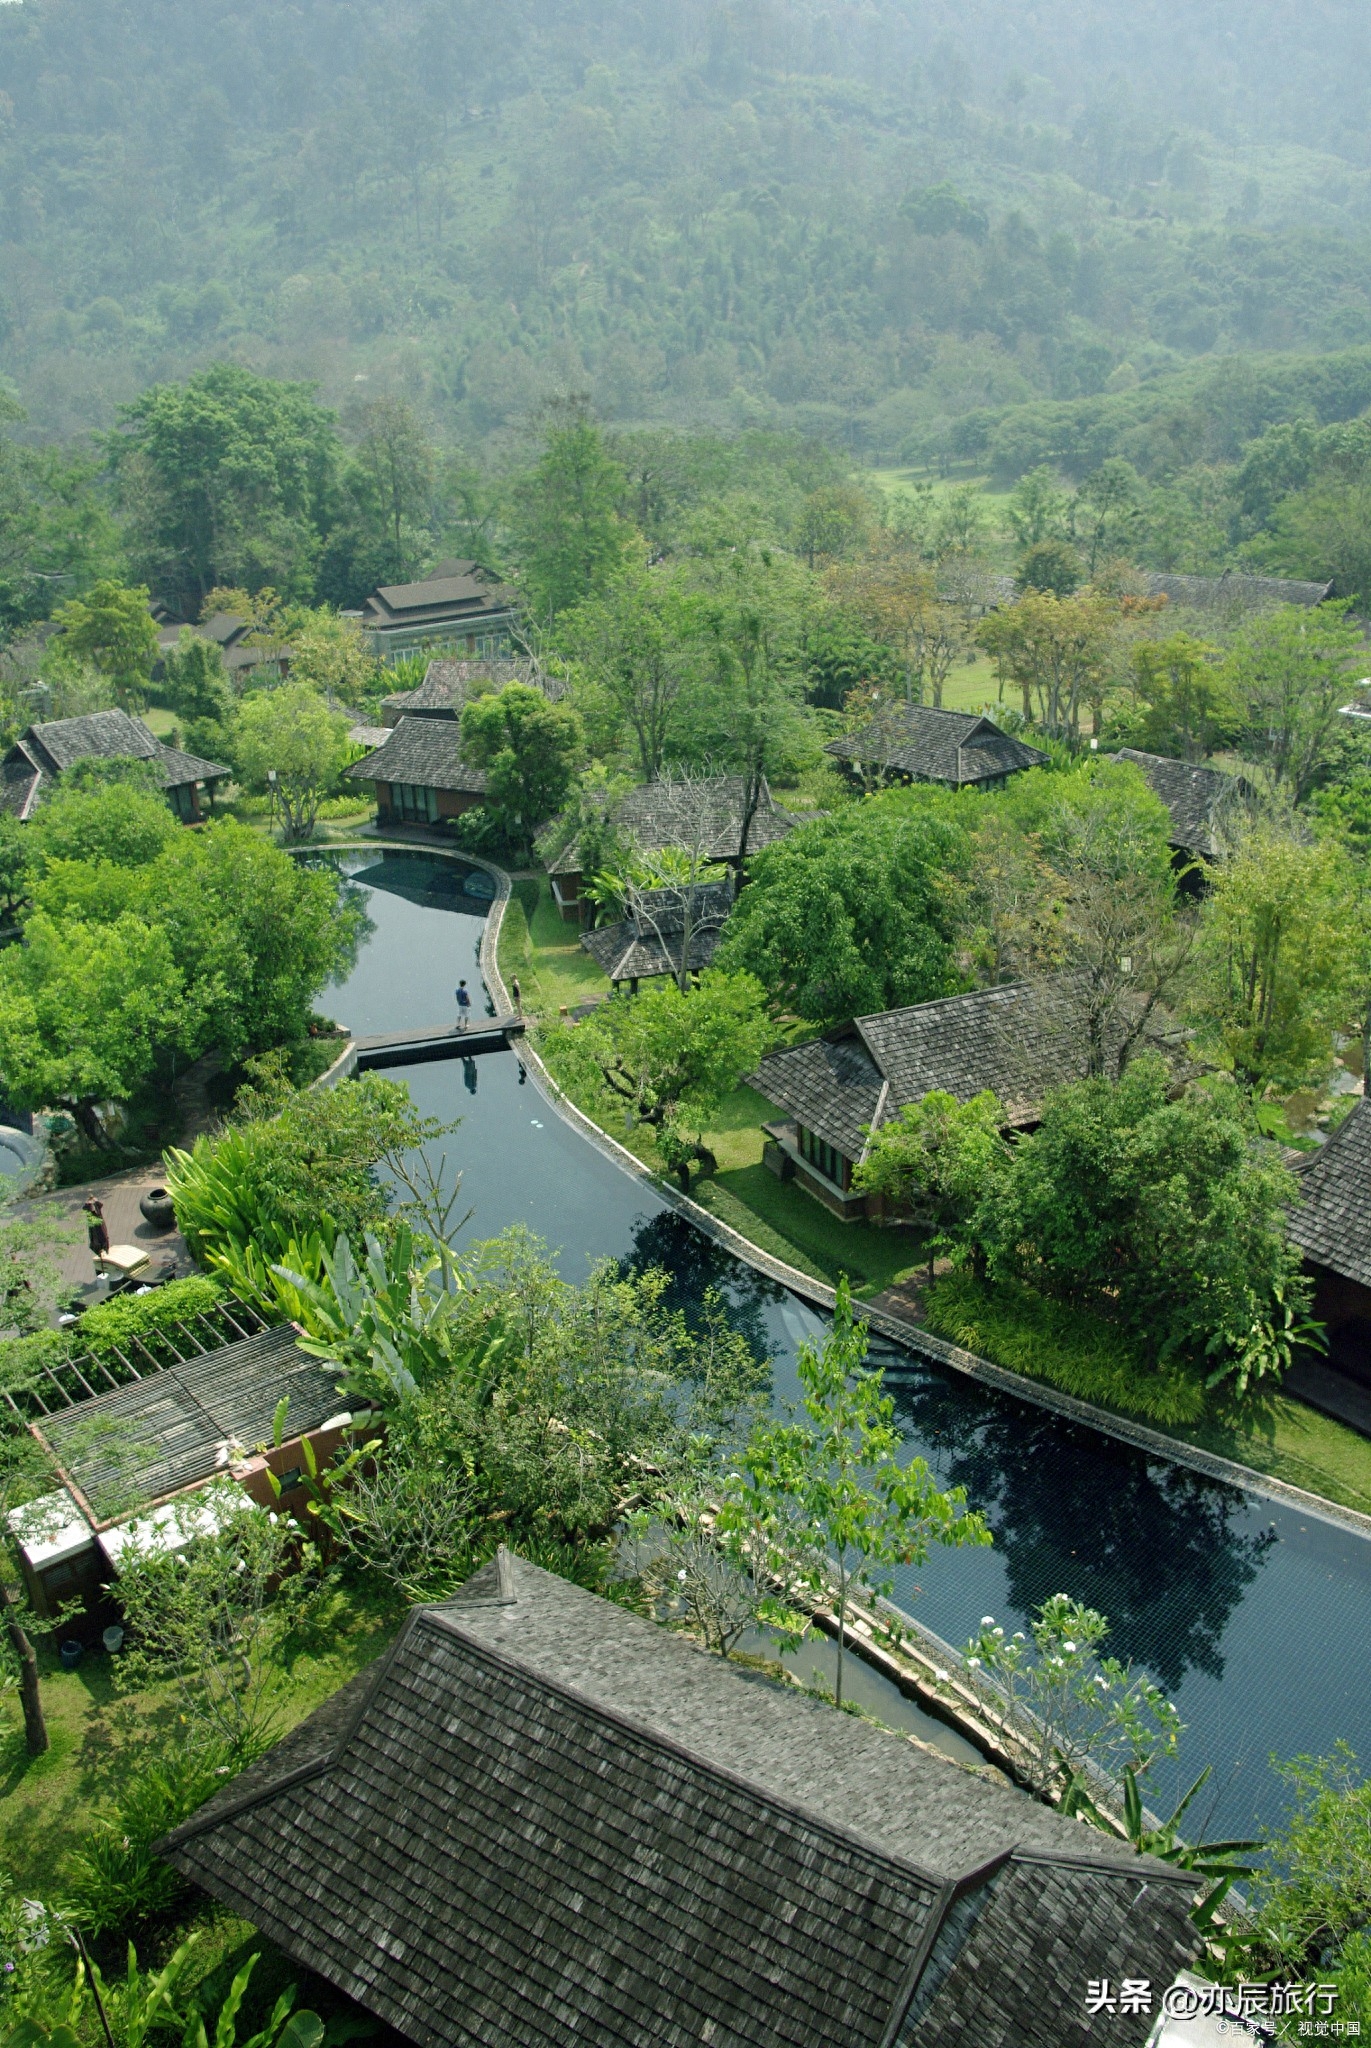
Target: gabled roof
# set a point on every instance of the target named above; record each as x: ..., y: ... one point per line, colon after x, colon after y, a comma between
x: 1230, y: 592
x: 1332, y: 1224
x: 672, y: 813
x: 60, y: 743
x: 424, y: 752
x: 1198, y: 798
x: 648, y: 941
x: 168, y: 1430
x: 542, y: 1819
x: 959, y: 747
x: 96, y: 736
x: 443, y: 691
x: 1020, y: 1040
x: 454, y: 588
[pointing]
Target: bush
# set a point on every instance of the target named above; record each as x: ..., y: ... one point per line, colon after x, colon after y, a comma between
x: 115, y: 1882
x: 1072, y: 1348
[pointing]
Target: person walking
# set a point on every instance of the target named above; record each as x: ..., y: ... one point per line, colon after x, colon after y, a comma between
x: 463, y: 1005
x: 97, y: 1230
x: 517, y: 994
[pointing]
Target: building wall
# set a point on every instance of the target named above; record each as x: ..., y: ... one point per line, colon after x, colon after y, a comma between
x: 452, y: 803
x: 1344, y: 1306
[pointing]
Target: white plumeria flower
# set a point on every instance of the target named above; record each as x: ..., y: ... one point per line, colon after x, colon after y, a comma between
x: 681, y: 1576
x: 973, y: 1663
x: 987, y: 1621
x: 1070, y: 1649
x: 941, y: 1676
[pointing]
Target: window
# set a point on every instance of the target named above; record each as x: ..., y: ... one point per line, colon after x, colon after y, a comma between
x: 409, y: 801
x: 826, y: 1157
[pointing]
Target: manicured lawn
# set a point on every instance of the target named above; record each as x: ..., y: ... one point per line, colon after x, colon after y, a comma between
x: 1291, y: 1442
x: 783, y: 1220
x: 546, y: 954
x: 48, y: 1802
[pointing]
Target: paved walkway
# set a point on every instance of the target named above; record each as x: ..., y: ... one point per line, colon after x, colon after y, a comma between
x: 121, y: 1194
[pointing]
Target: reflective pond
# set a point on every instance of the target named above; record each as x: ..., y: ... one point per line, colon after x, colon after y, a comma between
x: 1256, y: 1618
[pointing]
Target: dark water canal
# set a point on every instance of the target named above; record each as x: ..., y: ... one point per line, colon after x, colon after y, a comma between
x: 1256, y: 1618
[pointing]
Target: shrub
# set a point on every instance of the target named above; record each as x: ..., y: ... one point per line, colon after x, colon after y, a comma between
x: 115, y: 1882
x: 1072, y: 1348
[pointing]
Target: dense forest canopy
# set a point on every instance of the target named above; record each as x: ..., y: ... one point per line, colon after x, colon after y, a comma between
x: 859, y: 222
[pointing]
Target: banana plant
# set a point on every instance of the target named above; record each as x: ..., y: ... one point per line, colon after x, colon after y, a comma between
x: 388, y: 1322
x: 1217, y: 1861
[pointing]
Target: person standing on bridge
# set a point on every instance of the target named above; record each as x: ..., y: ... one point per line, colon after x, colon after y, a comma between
x: 463, y: 1005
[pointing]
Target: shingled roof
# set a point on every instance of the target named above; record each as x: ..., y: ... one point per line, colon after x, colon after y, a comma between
x: 1234, y: 593
x: 706, y: 813
x: 541, y: 1819
x: 169, y: 1429
x: 1332, y: 1224
x: 1198, y: 798
x: 43, y: 752
x: 1019, y: 1040
x: 648, y: 941
x: 444, y: 689
x: 453, y: 593
x: 425, y: 752
x: 959, y: 747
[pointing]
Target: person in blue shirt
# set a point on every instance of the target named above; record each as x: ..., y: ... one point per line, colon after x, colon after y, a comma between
x: 463, y: 1005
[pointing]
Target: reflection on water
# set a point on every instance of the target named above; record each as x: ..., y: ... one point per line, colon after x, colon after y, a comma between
x: 1257, y: 1619
x: 1158, y: 1548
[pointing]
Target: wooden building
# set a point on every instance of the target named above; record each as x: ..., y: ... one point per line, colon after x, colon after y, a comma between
x: 459, y: 607
x: 419, y: 775
x: 916, y: 743
x: 648, y: 941
x: 539, y: 1819
x: 1201, y: 800
x: 1018, y: 1040
x: 704, y: 816
x: 1332, y: 1227
x: 42, y: 754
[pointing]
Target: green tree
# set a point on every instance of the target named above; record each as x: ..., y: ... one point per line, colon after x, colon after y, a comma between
x: 214, y: 1616
x: 670, y: 1058
x: 87, y: 1013
x: 330, y: 654
x: 1107, y: 510
x: 225, y: 480
x: 638, y: 643
x: 568, y: 532
x: 1313, y: 1896
x: 1290, y: 672
x: 291, y: 740
x: 756, y: 616
x: 1167, y: 1214
x: 1190, y: 708
x: 195, y: 683
x: 827, y: 1499
x: 1052, y: 566
x: 1284, y: 940
x: 852, y: 914
x: 1104, y: 922
x: 392, y: 478
x: 1038, y: 509
x: 932, y: 1163
x: 122, y: 825
x: 529, y: 750
x: 112, y: 628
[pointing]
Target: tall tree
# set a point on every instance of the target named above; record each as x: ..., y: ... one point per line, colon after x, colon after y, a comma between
x: 290, y: 740
x: 392, y: 478
x: 568, y: 532
x: 1291, y: 672
x: 529, y: 750
x: 1190, y: 707
x: 112, y: 628
x: 827, y: 1498
x: 225, y: 479
x: 639, y: 645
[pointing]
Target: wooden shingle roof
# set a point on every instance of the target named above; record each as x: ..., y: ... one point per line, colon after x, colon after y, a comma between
x: 1332, y: 1224
x: 648, y: 941
x: 1235, y: 593
x: 425, y: 752
x: 1019, y: 1040
x: 958, y: 747
x: 47, y: 749
x: 1198, y: 798
x: 446, y: 682
x: 669, y: 813
x: 542, y: 1820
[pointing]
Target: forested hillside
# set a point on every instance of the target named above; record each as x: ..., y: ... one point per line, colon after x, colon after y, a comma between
x: 863, y: 223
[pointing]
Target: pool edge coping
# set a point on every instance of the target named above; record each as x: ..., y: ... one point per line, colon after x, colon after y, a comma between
x: 937, y: 1349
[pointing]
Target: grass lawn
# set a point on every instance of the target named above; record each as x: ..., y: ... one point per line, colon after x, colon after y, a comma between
x: 48, y: 1802
x: 545, y: 952
x: 1291, y: 1442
